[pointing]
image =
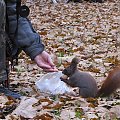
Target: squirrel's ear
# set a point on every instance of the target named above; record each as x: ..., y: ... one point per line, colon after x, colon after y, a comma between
x: 75, y: 60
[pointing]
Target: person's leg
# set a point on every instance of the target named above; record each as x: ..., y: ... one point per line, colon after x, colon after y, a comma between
x: 3, y: 72
x: 3, y: 75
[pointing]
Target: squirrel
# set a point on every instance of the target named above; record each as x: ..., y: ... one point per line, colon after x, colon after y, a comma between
x: 87, y: 84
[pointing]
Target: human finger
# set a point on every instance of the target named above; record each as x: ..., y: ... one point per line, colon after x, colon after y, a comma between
x: 50, y: 70
x: 50, y: 61
x: 43, y: 65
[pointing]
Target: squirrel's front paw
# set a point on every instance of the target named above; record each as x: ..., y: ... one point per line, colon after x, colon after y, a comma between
x: 62, y: 79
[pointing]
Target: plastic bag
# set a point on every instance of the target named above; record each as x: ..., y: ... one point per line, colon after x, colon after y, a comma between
x: 51, y: 83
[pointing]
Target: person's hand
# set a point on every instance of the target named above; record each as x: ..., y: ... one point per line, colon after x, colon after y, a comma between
x: 44, y: 61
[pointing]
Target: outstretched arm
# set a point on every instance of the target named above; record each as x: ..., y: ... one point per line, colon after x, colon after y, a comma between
x: 28, y: 39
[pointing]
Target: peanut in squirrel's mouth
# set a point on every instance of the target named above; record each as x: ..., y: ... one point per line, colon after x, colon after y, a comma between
x: 64, y: 76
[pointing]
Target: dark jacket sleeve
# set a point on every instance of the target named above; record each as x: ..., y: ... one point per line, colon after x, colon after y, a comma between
x: 27, y: 39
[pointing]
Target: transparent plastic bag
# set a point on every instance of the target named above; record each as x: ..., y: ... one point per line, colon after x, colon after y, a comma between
x: 51, y: 83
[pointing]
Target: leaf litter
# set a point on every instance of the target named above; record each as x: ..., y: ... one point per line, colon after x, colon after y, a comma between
x: 89, y: 31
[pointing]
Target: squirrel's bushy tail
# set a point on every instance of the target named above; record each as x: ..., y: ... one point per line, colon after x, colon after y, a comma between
x: 111, y: 83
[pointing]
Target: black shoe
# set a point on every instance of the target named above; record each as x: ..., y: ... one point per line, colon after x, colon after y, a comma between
x: 7, y: 92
